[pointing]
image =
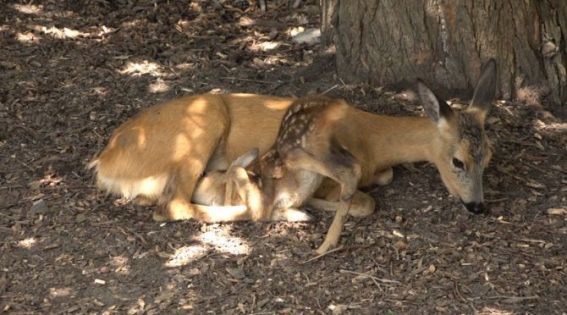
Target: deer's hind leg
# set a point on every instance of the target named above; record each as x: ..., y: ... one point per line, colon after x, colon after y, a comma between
x: 176, y: 204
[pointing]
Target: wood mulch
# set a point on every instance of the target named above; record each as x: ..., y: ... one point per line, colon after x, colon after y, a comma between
x: 72, y: 71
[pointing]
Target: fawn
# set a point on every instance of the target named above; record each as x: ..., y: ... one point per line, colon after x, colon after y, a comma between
x: 285, y: 178
x: 163, y: 152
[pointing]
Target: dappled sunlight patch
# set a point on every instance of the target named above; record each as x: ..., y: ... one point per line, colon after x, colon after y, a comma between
x: 265, y: 46
x: 99, y: 90
x: 138, y: 307
x: 221, y: 240
x: 105, y: 30
x: 216, y: 238
x: 294, y: 31
x: 136, y: 69
x: 95, y: 33
x: 159, y: 86
x: 185, y: 66
x: 64, y: 259
x: 131, y: 24
x: 121, y: 265
x: 27, y: 243
x: 246, y: 21
x: 433, y: 9
x: 182, y: 26
x: 553, y: 127
x: 179, y: 150
x: 51, y: 180
x: 48, y: 180
x: 28, y: 8
x: 61, y: 33
x: 493, y: 311
x: 60, y: 292
x: 531, y: 95
x: 28, y: 38
x: 186, y: 254
x: 275, y: 60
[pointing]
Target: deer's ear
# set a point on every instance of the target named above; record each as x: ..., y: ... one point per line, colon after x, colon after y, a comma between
x: 437, y: 109
x: 246, y: 159
x: 485, y: 89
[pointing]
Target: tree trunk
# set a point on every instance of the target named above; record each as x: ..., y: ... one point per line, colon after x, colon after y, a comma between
x: 444, y: 42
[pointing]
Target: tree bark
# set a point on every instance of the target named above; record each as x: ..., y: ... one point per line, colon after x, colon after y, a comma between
x: 444, y: 42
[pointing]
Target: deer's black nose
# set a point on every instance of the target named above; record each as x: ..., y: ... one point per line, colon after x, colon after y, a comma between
x: 475, y: 207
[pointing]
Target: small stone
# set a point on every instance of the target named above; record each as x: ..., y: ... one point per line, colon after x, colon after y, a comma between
x: 401, y: 245
x: 337, y: 309
x: 39, y: 207
x: 273, y: 34
x: 99, y: 281
x: 236, y: 272
x: 80, y: 218
x: 431, y: 269
x: 557, y: 211
x: 262, y: 302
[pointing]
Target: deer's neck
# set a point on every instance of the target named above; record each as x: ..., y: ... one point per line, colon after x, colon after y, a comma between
x: 387, y: 140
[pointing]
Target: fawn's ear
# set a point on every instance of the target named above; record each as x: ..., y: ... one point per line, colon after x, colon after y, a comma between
x: 485, y: 89
x: 437, y: 109
x: 246, y: 159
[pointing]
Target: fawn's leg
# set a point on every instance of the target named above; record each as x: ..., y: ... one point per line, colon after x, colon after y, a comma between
x: 343, y: 168
x: 384, y: 177
x: 291, y: 215
x: 334, y: 233
x: 362, y: 204
x: 177, y: 204
x: 348, y: 177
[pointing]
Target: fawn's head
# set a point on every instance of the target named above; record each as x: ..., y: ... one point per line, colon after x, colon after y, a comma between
x: 216, y: 188
x: 463, y: 150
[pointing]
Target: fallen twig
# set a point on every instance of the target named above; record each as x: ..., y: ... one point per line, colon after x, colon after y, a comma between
x: 250, y: 80
x: 513, y: 299
x: 383, y: 280
x: 330, y: 89
x: 324, y: 254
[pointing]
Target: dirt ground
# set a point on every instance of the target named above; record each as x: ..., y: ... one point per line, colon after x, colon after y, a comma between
x: 72, y: 71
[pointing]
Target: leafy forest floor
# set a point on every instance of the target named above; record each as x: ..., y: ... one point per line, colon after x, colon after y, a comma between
x: 72, y: 71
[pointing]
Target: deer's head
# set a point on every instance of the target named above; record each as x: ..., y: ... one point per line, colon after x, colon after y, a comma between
x: 463, y: 149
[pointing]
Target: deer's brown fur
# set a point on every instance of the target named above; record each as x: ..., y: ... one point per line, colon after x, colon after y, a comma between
x: 163, y: 152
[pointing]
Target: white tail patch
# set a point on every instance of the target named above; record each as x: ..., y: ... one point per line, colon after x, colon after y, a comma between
x: 152, y: 186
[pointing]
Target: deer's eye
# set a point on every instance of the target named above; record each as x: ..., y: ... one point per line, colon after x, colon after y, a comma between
x: 458, y: 164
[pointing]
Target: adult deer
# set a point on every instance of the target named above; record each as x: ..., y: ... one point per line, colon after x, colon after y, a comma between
x: 162, y: 153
